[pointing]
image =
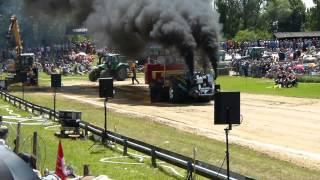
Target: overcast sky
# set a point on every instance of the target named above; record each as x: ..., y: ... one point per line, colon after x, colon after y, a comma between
x: 308, y: 3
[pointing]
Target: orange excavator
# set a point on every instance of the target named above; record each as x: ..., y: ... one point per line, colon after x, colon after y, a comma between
x: 23, y: 68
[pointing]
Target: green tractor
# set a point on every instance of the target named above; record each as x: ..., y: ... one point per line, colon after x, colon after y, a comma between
x: 110, y: 65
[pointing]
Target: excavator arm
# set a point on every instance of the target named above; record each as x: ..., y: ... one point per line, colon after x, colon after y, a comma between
x: 15, y: 31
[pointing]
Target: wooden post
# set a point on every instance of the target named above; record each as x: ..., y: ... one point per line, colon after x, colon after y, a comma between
x: 17, y: 141
x: 34, y: 148
x: 153, y: 158
x: 125, y: 147
x: 35, y: 144
x: 86, y: 134
x: 86, y: 170
x: 194, y: 162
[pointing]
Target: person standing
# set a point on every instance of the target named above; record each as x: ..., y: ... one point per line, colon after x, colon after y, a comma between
x: 134, y: 72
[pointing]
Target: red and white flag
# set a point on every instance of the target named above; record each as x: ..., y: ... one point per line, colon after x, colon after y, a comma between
x: 60, y: 165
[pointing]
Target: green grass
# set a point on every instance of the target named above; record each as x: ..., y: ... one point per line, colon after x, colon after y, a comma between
x: 309, y: 79
x: 266, y: 86
x: 45, y: 79
x: 4, y: 105
x: 78, y: 152
x: 243, y: 160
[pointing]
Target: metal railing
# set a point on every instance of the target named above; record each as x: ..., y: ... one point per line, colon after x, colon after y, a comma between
x: 199, y: 167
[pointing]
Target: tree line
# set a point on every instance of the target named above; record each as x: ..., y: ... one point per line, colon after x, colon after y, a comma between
x: 259, y: 19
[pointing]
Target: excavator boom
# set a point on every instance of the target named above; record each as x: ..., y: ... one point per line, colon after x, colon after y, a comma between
x: 24, y: 66
x: 15, y: 31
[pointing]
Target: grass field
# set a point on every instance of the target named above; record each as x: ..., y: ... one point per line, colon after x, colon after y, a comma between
x: 78, y: 152
x: 266, y: 86
x: 243, y: 160
x: 45, y: 79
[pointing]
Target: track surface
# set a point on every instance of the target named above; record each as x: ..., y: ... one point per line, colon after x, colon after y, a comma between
x: 283, y: 127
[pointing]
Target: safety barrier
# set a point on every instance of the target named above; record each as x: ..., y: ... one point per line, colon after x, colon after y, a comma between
x: 156, y: 153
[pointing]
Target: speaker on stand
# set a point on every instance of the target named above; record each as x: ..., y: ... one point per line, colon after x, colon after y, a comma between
x: 106, y: 91
x: 227, y: 111
x: 55, y: 83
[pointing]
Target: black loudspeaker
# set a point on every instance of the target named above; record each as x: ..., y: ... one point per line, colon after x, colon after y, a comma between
x: 55, y: 80
x: 106, y: 87
x: 23, y: 77
x: 227, y: 108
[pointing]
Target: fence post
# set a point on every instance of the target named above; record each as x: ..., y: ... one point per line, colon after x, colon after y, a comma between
x: 17, y: 140
x: 189, y: 171
x: 34, y: 146
x: 86, y: 131
x: 125, y: 147
x: 86, y: 170
x: 50, y: 114
x: 153, y: 158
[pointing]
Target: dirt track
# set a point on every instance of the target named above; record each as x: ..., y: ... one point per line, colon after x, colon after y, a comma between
x: 283, y: 127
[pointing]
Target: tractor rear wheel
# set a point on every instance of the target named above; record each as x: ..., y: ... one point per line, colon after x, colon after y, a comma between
x: 176, y: 95
x: 205, y: 99
x: 122, y: 73
x: 105, y: 74
x: 94, y: 75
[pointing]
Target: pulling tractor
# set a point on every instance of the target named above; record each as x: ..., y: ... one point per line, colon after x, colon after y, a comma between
x: 110, y: 65
x: 172, y: 82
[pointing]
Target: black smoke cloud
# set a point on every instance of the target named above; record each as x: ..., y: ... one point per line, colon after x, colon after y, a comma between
x: 77, y: 10
x: 130, y: 25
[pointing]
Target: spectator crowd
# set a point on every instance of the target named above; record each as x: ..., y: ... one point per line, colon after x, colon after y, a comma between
x: 67, y: 59
x: 285, y: 60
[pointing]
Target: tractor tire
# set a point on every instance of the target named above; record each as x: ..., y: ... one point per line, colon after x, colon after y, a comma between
x: 155, y: 93
x: 176, y: 95
x: 121, y: 74
x: 105, y: 74
x: 94, y: 75
x: 205, y: 99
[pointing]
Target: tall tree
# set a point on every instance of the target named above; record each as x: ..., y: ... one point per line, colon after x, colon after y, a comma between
x: 250, y: 13
x: 297, y: 17
x: 276, y: 13
x: 229, y: 16
x: 313, y: 17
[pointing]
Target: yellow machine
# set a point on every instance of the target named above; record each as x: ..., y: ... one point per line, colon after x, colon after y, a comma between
x: 23, y: 68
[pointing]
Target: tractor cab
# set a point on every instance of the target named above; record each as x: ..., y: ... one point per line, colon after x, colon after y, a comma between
x: 24, y: 70
x: 25, y: 61
x: 110, y: 60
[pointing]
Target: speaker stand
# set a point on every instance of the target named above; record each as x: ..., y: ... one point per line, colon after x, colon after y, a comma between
x: 105, y: 135
x: 23, y: 90
x: 229, y: 128
x: 54, y: 103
